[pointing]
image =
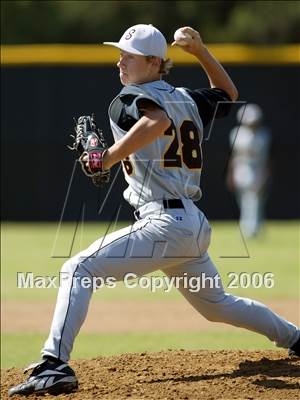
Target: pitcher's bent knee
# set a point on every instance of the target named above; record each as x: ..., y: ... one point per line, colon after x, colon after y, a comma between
x: 72, y: 273
x: 68, y: 266
x: 213, y: 315
x: 219, y: 312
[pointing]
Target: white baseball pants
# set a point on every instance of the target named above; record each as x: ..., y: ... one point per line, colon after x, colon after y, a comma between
x: 174, y: 241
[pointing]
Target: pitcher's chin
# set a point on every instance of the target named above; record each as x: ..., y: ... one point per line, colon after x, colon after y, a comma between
x: 124, y: 78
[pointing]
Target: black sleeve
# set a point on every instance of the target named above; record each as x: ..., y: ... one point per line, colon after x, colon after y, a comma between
x: 125, y: 110
x: 120, y: 111
x: 208, y: 103
x: 144, y: 103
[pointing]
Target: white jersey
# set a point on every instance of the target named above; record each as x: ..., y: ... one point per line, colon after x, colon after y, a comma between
x: 170, y: 167
x: 250, y: 156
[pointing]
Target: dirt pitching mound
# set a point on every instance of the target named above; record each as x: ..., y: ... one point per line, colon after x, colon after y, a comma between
x: 181, y: 375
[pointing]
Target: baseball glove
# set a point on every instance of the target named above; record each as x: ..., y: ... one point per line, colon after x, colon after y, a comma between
x: 91, y: 146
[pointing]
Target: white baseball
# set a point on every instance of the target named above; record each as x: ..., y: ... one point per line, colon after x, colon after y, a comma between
x: 181, y: 37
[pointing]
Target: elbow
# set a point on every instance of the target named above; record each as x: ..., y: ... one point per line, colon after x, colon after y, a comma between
x: 166, y: 122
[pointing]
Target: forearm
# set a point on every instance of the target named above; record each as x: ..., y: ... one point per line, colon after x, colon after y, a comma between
x: 144, y: 132
x: 216, y: 74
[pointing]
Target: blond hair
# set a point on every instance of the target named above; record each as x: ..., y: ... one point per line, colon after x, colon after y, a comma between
x: 165, y: 65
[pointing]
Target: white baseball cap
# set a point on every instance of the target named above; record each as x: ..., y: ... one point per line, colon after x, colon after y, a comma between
x: 144, y: 40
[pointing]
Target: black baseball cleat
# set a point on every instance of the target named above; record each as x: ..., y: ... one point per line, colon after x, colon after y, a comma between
x: 295, y: 349
x: 48, y: 376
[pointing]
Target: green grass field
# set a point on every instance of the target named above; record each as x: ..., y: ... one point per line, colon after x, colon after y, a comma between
x: 29, y: 247
x: 19, y: 350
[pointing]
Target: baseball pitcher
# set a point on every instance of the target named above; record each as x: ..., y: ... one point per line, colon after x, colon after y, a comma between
x: 158, y: 131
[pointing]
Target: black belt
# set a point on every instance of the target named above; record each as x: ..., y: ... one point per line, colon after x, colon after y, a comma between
x: 173, y: 203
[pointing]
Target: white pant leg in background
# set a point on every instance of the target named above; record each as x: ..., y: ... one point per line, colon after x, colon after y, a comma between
x: 250, y: 202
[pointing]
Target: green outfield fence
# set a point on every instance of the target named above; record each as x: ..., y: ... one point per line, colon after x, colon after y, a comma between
x: 45, y: 86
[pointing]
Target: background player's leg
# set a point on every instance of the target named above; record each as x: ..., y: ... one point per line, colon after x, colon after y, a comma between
x: 249, y: 213
x: 261, y: 199
x: 216, y: 305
